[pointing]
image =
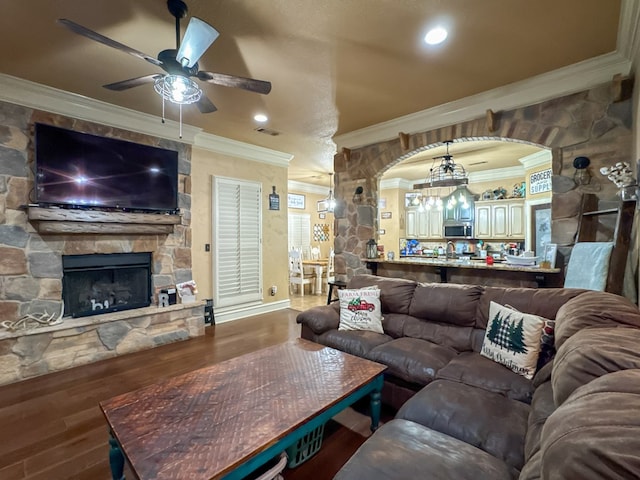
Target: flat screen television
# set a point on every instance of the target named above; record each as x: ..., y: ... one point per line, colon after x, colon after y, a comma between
x: 80, y: 170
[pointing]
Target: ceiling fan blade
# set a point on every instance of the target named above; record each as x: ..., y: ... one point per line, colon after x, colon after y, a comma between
x: 198, y: 37
x: 133, y: 82
x: 257, y: 86
x: 85, y: 32
x: 205, y: 105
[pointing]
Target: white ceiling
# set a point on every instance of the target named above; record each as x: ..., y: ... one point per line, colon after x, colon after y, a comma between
x: 336, y: 66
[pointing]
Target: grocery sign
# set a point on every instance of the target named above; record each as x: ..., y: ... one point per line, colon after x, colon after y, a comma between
x: 540, y: 182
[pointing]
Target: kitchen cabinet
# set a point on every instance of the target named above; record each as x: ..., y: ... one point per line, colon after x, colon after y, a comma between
x: 500, y: 219
x: 423, y: 224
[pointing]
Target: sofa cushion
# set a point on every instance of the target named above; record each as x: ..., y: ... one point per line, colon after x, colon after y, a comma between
x: 484, y: 419
x: 544, y: 302
x: 320, y: 318
x: 404, y: 450
x: 531, y: 469
x: 592, y: 353
x: 594, y: 309
x: 542, y: 406
x: 360, y: 309
x: 473, y: 369
x: 355, y: 342
x: 513, y: 339
x: 394, y: 323
x: 413, y: 360
x: 459, y: 338
x: 446, y: 303
x: 395, y: 293
x: 595, y: 434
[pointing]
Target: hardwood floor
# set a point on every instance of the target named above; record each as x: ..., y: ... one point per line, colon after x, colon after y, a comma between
x: 52, y: 427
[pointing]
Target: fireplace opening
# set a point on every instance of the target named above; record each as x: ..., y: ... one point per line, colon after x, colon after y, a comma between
x: 101, y: 283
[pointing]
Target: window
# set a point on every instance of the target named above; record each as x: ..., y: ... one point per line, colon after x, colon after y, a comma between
x: 237, y: 233
x: 299, y: 230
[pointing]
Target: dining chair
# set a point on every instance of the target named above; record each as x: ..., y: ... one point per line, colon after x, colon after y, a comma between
x: 315, y: 253
x: 297, y: 275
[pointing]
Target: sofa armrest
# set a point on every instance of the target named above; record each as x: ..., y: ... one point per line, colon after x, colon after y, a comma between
x: 320, y: 319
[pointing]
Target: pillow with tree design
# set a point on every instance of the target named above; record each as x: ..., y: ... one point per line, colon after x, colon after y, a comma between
x: 513, y: 339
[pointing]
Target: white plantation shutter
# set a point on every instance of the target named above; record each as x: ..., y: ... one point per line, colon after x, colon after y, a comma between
x: 237, y: 225
x: 299, y: 230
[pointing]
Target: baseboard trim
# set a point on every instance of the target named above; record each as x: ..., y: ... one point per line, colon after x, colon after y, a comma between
x: 228, y: 314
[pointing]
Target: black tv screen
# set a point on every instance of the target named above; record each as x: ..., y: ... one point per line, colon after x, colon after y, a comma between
x: 74, y: 169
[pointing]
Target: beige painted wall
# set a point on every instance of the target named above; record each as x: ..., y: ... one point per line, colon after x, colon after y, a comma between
x: 393, y: 227
x: 275, y: 271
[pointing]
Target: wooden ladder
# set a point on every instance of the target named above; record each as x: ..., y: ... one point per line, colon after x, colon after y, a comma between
x: 608, y: 225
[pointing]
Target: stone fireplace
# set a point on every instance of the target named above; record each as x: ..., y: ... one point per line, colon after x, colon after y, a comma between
x: 105, y: 282
x: 42, y: 250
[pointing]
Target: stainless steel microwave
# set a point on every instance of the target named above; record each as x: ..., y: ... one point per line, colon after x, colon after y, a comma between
x: 458, y: 230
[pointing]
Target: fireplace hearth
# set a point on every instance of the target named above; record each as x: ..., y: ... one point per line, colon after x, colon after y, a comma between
x: 100, y: 283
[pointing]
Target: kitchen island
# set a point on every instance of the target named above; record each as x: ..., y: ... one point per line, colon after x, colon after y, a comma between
x: 442, y: 270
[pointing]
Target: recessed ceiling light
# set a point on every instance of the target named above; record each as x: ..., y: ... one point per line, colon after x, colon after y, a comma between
x: 260, y: 117
x: 435, y: 36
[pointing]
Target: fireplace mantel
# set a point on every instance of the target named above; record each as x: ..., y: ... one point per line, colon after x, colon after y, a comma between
x: 80, y: 221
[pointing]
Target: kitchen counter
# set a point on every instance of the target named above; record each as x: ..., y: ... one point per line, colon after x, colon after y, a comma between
x: 444, y: 270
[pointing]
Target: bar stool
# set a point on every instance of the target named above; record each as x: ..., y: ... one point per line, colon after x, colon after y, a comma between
x: 338, y: 285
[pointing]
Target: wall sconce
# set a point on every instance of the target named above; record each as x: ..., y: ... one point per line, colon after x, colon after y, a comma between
x: 357, y: 196
x: 581, y: 176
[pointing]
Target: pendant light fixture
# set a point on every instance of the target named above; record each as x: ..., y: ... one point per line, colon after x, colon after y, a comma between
x: 330, y: 200
x: 447, y: 174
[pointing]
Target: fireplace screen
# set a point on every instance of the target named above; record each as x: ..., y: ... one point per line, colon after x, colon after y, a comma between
x: 100, y: 283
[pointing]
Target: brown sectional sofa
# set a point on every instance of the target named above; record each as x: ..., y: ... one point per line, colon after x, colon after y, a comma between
x: 463, y: 416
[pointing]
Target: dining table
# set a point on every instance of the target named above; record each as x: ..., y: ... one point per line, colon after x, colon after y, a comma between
x: 319, y: 265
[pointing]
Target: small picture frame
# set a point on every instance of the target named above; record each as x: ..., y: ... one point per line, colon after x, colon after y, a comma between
x: 295, y: 200
x: 322, y: 206
x: 322, y: 215
x: 385, y: 215
x: 550, y: 253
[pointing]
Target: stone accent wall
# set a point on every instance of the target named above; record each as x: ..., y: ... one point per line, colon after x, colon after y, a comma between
x: 31, y: 263
x: 590, y: 123
x: 90, y: 339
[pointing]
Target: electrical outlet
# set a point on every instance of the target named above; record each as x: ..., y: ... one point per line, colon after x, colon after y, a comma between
x: 274, y: 290
x: 207, y: 247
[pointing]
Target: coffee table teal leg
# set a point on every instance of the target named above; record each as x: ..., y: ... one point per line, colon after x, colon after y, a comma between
x: 376, y: 403
x: 116, y: 459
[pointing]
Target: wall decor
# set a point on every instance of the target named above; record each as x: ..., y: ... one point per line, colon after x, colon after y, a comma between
x: 321, y: 232
x: 385, y: 215
x: 540, y: 182
x: 322, y: 216
x: 274, y: 200
x: 322, y: 206
x: 382, y: 203
x: 295, y: 200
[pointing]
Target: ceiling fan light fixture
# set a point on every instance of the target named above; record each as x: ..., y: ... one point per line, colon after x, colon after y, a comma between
x: 198, y: 37
x: 177, y: 89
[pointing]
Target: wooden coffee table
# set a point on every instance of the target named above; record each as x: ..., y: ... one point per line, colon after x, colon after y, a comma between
x: 227, y: 420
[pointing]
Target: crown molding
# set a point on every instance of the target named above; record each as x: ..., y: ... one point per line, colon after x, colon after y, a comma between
x: 571, y: 79
x: 41, y: 97
x: 247, y: 151
x: 295, y: 186
x: 496, y: 174
x: 400, y: 183
x: 538, y: 159
x: 474, y: 177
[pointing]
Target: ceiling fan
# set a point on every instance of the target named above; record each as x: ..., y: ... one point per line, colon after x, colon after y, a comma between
x: 180, y: 64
